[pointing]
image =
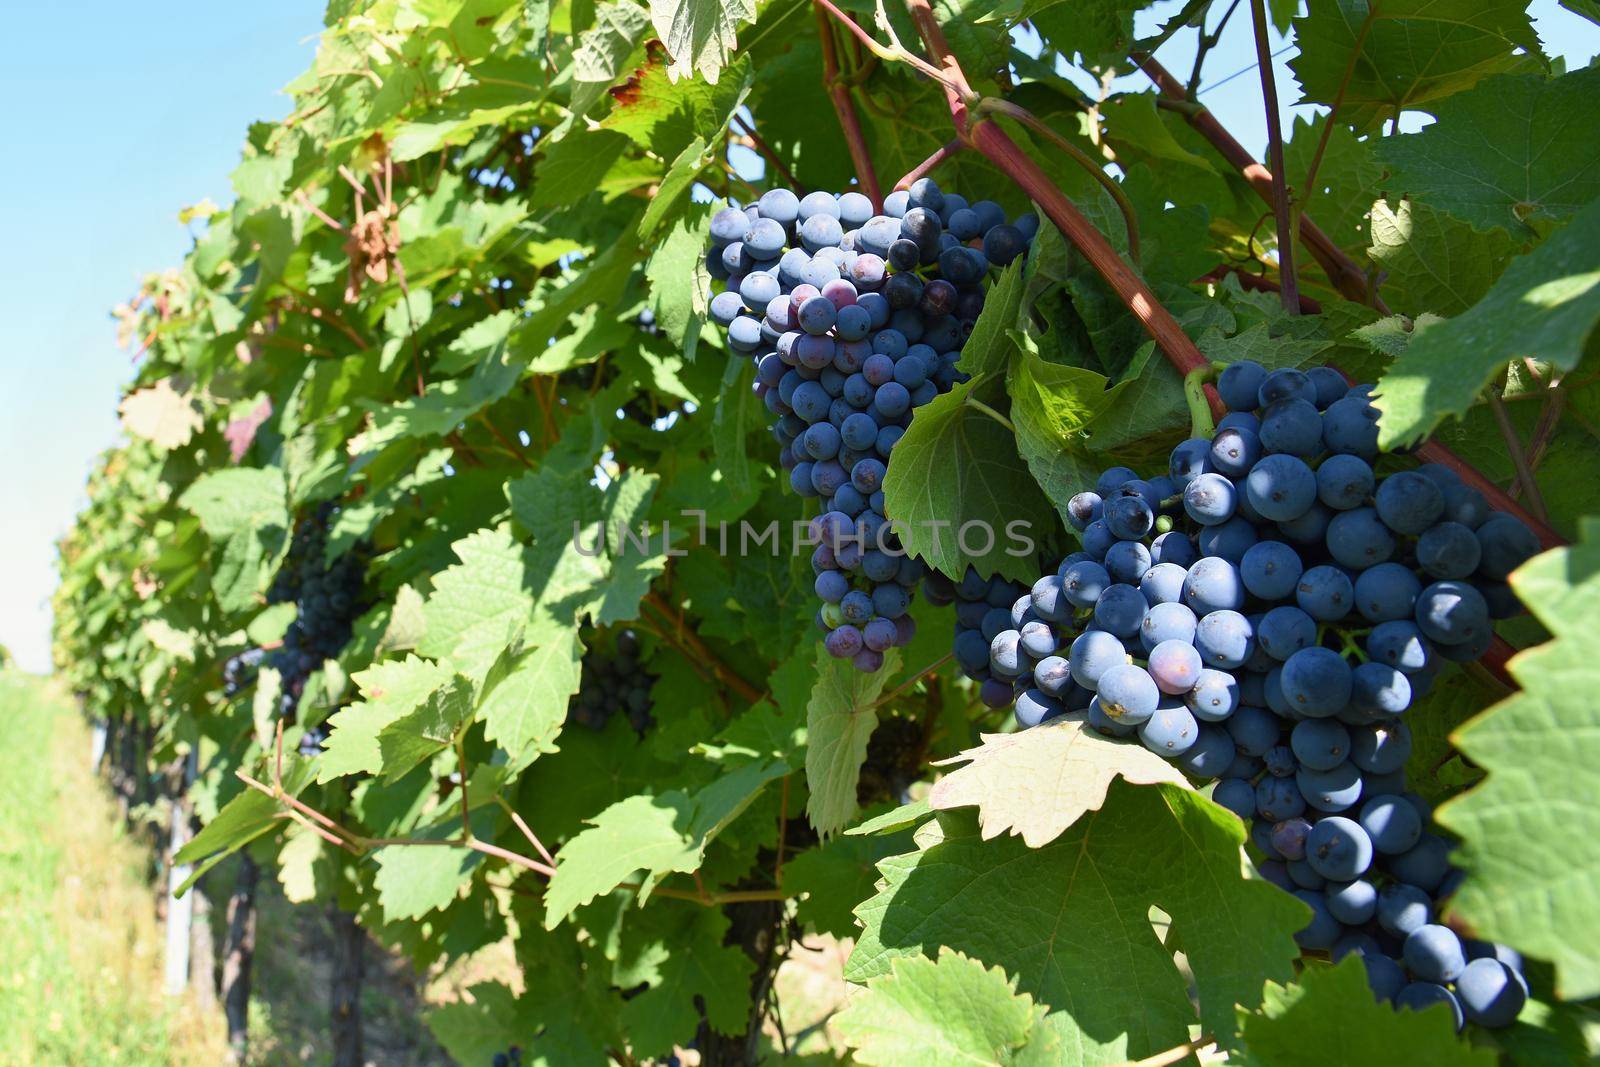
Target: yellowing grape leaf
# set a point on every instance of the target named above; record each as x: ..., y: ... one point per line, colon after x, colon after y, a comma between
x: 161, y: 415
x: 1037, y: 783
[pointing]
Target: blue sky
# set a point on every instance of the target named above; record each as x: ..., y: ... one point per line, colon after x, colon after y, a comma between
x: 114, y: 120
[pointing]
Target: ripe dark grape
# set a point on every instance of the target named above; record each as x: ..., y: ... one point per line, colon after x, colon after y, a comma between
x: 327, y: 597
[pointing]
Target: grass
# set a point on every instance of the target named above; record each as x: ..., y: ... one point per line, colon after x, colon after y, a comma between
x: 80, y: 950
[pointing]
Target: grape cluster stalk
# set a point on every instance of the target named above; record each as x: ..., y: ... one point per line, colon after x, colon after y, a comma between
x: 1263, y: 614
x: 613, y: 679
x: 854, y: 320
x: 327, y: 599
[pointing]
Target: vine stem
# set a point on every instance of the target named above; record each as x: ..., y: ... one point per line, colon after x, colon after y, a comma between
x: 978, y: 405
x: 358, y: 844
x: 940, y: 154
x: 1518, y: 454
x: 1289, y: 286
x: 765, y: 150
x: 913, y: 680
x: 849, y: 122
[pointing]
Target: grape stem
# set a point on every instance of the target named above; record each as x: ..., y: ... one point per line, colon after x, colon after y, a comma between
x: 940, y: 154
x: 913, y: 680
x: 978, y: 405
x: 1201, y: 423
x: 1289, y: 285
x: 844, y: 104
x: 760, y: 145
x: 1518, y: 454
x: 357, y: 844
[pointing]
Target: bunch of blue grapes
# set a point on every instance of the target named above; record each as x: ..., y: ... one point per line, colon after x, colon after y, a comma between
x: 327, y: 597
x: 984, y: 608
x: 1263, y: 614
x: 855, y: 319
x: 511, y: 1057
x: 613, y: 679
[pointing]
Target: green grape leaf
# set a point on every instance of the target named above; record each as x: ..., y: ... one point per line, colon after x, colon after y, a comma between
x: 1514, y: 152
x: 835, y: 877
x: 486, y: 1021
x: 1390, y: 336
x: 945, y: 1011
x: 840, y: 718
x: 1134, y: 119
x: 1432, y: 263
x: 1036, y: 783
x: 574, y: 166
x: 524, y: 712
x: 481, y: 605
x: 658, y: 835
x: 674, y: 186
x: 1099, y: 30
x: 1530, y: 839
x: 640, y: 833
x: 1544, y: 306
x: 1330, y: 1017
x: 426, y: 730
x: 680, y: 285
x: 1071, y: 920
x: 392, y: 689
x: 445, y: 405
x: 958, y: 492
x: 413, y: 880
x: 989, y: 348
x: 697, y: 966
x: 902, y: 818
x: 1588, y: 9
x: 739, y: 411
x: 1054, y: 408
x: 244, y: 511
x: 603, y: 50
x: 1348, y: 180
x: 246, y: 817
x: 665, y: 115
x: 591, y: 554
x: 1378, y: 59
x: 700, y: 35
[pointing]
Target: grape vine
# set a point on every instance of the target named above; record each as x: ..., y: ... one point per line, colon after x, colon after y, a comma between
x: 476, y: 453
